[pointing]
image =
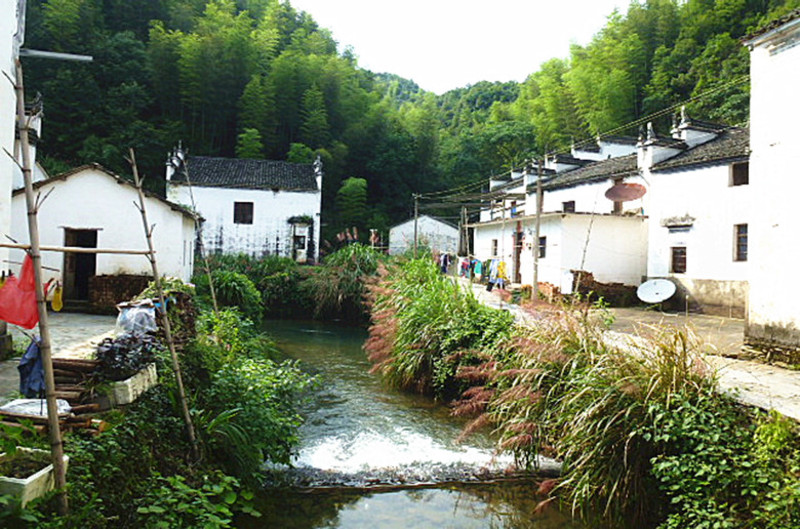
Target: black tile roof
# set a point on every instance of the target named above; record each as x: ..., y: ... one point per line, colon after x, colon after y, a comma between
x: 731, y: 145
x: 596, y: 171
x: 775, y: 24
x: 623, y: 140
x: 242, y: 173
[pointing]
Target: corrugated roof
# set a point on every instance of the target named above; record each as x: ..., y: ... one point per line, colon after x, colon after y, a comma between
x: 206, y: 171
x: 732, y: 144
x: 596, y: 171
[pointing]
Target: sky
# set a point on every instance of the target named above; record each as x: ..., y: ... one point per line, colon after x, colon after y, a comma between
x: 446, y: 44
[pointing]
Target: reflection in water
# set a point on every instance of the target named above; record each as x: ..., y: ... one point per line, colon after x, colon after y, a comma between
x: 495, y: 506
x: 360, y: 433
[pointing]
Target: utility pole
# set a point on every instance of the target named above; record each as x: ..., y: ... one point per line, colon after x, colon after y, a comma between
x: 53, y: 428
x: 416, y: 221
x: 537, y: 227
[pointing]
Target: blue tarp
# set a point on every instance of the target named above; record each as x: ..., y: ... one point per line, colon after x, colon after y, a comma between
x: 31, y: 371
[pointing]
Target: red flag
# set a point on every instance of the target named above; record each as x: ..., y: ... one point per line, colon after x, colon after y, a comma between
x: 18, y: 298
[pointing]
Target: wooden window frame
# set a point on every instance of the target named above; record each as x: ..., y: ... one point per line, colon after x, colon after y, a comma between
x: 568, y: 206
x: 740, y: 242
x: 542, y: 247
x: 243, y: 212
x: 678, y: 263
x: 743, y: 176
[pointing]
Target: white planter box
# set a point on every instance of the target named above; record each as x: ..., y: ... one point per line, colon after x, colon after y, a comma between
x: 128, y: 390
x: 33, y: 486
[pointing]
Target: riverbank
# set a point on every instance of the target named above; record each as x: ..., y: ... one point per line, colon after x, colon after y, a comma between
x: 645, y: 435
x: 764, y: 386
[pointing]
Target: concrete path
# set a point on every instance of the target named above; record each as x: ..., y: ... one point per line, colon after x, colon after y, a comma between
x: 751, y: 383
x: 72, y: 335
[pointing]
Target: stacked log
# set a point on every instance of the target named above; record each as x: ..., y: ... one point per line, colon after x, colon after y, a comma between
x: 73, y: 378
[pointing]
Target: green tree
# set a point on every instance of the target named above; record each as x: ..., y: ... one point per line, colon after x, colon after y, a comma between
x: 315, y: 131
x: 351, y: 203
x: 249, y: 145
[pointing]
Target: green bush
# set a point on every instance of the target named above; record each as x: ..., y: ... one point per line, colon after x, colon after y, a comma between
x: 233, y: 289
x: 337, y: 288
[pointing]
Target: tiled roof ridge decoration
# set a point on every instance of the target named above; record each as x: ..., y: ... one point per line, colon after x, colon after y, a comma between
x: 731, y: 144
x: 682, y: 220
x: 249, y: 173
x: 775, y: 24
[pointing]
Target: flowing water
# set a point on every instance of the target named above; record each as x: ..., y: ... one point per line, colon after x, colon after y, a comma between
x: 374, y: 457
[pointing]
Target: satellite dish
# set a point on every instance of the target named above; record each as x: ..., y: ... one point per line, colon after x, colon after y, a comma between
x: 625, y: 192
x: 656, y: 290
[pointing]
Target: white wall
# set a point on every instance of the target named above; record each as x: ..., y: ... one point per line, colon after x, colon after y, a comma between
x: 775, y: 183
x: 617, y: 249
x: 8, y: 27
x: 430, y: 232
x: 705, y: 194
x: 92, y: 199
x: 269, y: 234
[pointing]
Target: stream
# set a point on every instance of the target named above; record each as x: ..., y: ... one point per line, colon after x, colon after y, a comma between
x: 374, y: 457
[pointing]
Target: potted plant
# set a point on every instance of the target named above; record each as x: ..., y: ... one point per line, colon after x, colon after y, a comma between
x: 25, y: 473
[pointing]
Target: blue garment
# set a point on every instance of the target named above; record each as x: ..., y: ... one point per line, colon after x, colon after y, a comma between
x: 31, y: 372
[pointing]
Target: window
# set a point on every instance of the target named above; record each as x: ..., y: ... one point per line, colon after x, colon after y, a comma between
x: 678, y: 265
x: 568, y: 207
x: 740, y: 242
x: 513, y: 208
x: 542, y: 247
x: 740, y: 174
x: 494, y: 247
x: 242, y: 212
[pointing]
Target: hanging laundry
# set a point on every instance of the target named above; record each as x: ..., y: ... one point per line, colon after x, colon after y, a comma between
x: 58, y: 298
x: 18, y: 298
x: 31, y: 372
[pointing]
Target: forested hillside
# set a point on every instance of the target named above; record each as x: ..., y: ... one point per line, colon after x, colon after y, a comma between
x: 256, y: 78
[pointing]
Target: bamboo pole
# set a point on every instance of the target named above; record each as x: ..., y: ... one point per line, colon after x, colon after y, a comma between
x: 537, y: 230
x: 202, y: 247
x: 176, y: 366
x: 54, y: 429
x: 74, y: 249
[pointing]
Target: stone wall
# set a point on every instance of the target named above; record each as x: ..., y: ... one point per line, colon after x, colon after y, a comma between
x: 107, y: 290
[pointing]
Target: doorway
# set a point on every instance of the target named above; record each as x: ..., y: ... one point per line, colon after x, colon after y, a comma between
x: 79, y: 267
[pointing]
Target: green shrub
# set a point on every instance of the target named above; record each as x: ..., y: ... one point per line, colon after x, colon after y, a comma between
x: 234, y: 289
x: 337, y: 288
x: 260, y: 398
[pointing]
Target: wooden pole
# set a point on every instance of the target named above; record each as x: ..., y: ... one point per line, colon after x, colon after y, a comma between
x: 53, y: 428
x: 176, y: 366
x: 74, y: 249
x: 416, y: 220
x: 537, y: 228
x: 201, y: 245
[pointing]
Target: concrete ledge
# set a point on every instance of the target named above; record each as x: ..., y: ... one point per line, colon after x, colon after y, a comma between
x: 128, y: 390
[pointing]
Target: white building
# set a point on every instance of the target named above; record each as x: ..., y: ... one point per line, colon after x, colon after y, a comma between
x: 433, y: 233
x: 690, y: 225
x: 12, y: 32
x: 773, y: 316
x: 256, y: 207
x: 700, y: 214
x: 92, y: 207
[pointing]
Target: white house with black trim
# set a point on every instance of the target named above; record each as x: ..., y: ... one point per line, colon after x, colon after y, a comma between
x: 256, y: 207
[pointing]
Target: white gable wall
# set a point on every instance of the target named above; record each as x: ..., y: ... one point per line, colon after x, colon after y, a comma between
x: 92, y: 199
x: 8, y: 102
x: 269, y: 234
x: 775, y: 181
x: 432, y: 233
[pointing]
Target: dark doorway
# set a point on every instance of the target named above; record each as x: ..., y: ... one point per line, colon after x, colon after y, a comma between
x: 79, y: 267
